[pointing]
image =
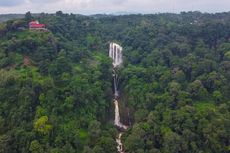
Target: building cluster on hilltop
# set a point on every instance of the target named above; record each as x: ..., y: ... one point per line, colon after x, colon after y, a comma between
x: 36, y: 25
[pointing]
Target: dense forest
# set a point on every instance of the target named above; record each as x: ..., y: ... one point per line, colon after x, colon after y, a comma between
x: 56, y: 85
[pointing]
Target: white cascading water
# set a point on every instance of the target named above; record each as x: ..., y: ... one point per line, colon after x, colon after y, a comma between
x: 117, y: 117
x: 115, y: 52
x: 119, y: 144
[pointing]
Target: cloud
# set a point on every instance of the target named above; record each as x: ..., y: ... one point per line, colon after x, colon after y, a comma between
x: 110, y: 1
x: 9, y: 3
x: 43, y: 1
x: 111, y: 6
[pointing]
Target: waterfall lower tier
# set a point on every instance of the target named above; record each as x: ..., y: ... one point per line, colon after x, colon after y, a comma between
x: 117, y: 121
x: 121, y: 126
x: 119, y: 144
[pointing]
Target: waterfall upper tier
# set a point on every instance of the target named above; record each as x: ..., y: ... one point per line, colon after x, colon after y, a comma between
x: 115, y: 52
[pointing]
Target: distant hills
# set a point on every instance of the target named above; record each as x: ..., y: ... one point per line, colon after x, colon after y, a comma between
x: 5, y: 17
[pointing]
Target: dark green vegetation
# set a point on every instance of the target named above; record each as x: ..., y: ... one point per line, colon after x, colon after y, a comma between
x: 56, y: 87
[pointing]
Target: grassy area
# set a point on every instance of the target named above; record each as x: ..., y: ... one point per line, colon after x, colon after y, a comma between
x: 22, y: 34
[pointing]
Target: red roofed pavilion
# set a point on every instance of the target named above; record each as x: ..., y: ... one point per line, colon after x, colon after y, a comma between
x: 36, y: 25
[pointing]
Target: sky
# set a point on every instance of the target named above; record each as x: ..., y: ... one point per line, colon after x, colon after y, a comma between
x: 113, y: 6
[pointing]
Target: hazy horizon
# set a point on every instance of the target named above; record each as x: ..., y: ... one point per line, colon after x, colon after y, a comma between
x: 88, y: 7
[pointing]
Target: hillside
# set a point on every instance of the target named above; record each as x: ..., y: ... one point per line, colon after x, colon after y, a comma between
x: 5, y: 17
x: 56, y: 86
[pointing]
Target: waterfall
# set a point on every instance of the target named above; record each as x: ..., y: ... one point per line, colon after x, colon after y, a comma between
x: 119, y: 144
x: 115, y: 83
x: 117, y: 121
x: 115, y: 52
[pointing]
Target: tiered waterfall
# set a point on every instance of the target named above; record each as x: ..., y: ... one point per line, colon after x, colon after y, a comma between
x: 115, y: 52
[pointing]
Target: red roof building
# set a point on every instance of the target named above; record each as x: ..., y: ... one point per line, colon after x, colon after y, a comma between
x: 36, y: 25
